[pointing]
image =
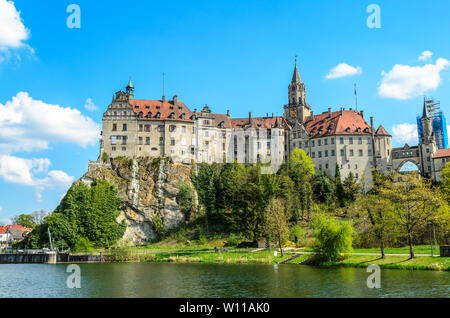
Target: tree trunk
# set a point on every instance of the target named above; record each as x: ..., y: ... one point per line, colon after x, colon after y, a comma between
x: 411, y: 248
x: 279, y: 243
x: 382, y: 249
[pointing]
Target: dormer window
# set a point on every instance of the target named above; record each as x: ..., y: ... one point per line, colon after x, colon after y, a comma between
x: 158, y: 107
x: 222, y: 124
x: 366, y: 130
x: 158, y: 115
x: 172, y: 115
x: 183, y: 116
x: 347, y: 129
x: 149, y: 115
x: 141, y: 115
x: 358, y: 129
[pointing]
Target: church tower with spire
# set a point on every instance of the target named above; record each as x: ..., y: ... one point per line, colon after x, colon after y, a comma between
x: 130, y: 90
x: 297, y: 109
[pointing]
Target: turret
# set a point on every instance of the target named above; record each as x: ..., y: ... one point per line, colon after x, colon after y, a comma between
x: 130, y: 90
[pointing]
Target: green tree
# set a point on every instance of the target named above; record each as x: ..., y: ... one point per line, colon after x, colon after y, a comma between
x: 185, y: 199
x: 333, y: 237
x: 26, y: 220
x: 445, y: 183
x: 416, y: 204
x: 351, y: 187
x: 323, y: 188
x: 339, y: 188
x: 84, y: 245
x: 275, y: 223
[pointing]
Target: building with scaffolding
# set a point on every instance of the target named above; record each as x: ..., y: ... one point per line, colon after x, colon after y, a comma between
x: 439, y: 123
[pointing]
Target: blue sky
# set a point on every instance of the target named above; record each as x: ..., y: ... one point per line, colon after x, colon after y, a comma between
x: 235, y: 55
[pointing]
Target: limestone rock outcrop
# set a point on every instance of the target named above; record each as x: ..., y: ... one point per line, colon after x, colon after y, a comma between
x: 148, y: 188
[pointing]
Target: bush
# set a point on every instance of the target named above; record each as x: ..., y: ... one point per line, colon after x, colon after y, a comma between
x: 333, y: 237
x: 233, y: 240
x: 297, y: 234
x: 84, y: 245
x: 122, y: 254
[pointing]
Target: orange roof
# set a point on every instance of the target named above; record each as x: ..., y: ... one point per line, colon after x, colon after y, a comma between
x: 345, y: 122
x: 381, y: 131
x: 257, y: 122
x: 164, y: 109
x: 442, y: 153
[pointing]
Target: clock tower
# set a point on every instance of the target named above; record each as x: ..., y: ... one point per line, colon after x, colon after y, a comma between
x: 297, y: 109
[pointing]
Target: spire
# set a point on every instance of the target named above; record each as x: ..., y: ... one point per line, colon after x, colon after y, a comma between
x: 296, y: 77
x: 130, y: 84
x: 130, y: 89
x: 425, y: 110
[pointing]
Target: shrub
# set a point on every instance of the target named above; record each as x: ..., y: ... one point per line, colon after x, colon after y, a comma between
x: 84, y: 245
x: 105, y: 157
x: 297, y: 234
x: 333, y: 237
x: 233, y: 240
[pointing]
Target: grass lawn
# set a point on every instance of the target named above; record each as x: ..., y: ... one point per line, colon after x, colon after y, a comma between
x: 419, y: 249
x: 395, y: 262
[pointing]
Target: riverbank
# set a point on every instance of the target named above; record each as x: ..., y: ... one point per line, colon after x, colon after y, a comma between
x: 264, y: 257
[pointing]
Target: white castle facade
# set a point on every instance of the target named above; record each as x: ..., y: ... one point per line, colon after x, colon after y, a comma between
x: 168, y: 128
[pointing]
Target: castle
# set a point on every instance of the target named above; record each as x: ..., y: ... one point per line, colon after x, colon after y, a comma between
x: 168, y: 128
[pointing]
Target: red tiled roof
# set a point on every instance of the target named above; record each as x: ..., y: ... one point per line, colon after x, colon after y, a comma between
x: 345, y: 122
x: 382, y: 132
x: 442, y: 153
x: 165, y: 109
x: 2, y: 230
x: 257, y: 122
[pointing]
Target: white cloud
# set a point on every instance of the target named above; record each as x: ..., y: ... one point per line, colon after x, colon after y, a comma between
x: 425, y: 56
x: 89, y: 105
x: 13, y: 32
x: 405, y: 133
x: 405, y: 81
x: 343, y: 70
x: 33, y: 173
x: 27, y: 124
x: 1, y: 209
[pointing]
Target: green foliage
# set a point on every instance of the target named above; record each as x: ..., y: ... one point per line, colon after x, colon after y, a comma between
x: 84, y: 245
x: 323, y: 188
x: 105, y: 157
x: 26, y: 220
x: 275, y: 224
x: 339, y: 188
x: 158, y: 225
x: 185, y: 199
x: 85, y: 212
x: 233, y: 240
x: 333, y: 237
x: 351, y: 187
x: 297, y: 234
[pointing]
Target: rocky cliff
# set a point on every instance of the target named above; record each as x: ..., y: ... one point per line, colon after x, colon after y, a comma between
x: 148, y: 188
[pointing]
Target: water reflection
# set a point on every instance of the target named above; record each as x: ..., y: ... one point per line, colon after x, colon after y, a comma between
x: 206, y: 280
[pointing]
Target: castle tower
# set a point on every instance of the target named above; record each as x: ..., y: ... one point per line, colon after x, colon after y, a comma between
x: 428, y: 146
x: 130, y: 89
x: 297, y: 108
x: 427, y: 126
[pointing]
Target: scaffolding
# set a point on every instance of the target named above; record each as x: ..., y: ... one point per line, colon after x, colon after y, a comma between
x: 439, y: 123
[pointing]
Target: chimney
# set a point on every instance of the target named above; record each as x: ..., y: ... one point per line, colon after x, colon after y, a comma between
x: 342, y: 111
x: 163, y: 99
x: 267, y: 115
x: 312, y: 115
x: 371, y: 124
x: 272, y: 115
x: 351, y: 108
x: 329, y: 112
x: 228, y: 112
x: 362, y: 113
x: 195, y: 110
x: 175, y: 99
x: 250, y: 118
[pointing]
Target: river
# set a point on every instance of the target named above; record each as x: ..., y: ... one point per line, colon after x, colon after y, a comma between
x: 210, y: 280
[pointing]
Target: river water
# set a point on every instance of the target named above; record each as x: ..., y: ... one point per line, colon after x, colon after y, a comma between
x: 210, y: 280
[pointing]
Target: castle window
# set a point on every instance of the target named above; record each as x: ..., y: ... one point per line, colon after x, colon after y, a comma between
x: 222, y: 124
x: 360, y: 153
x: 115, y: 113
x: 358, y: 129
x: 369, y: 152
x: 313, y: 155
x: 114, y: 148
x: 369, y: 141
x: 300, y: 144
x: 147, y: 141
x: 124, y: 127
x: 141, y: 115
x: 326, y: 153
x: 325, y: 142
x: 319, y: 142
x: 360, y: 140
x: 147, y: 127
x: 342, y: 152
x: 140, y: 141
x: 172, y: 141
x: 124, y: 148
x: 114, y: 127
x: 113, y: 140
x: 326, y: 166
x: 320, y: 154
x: 183, y: 116
x: 312, y: 143
x: 350, y: 141
x: 332, y: 141
x: 160, y: 128
x: 172, y: 115
x: 140, y: 127
x: 149, y: 115
x: 206, y: 133
x: 341, y: 140
x: 124, y: 140
x: 172, y: 128
x: 183, y: 129
x: 351, y: 152
x: 347, y: 129
x: 295, y: 135
x: 161, y: 140
x: 366, y: 130
x: 158, y: 115
x: 333, y: 153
